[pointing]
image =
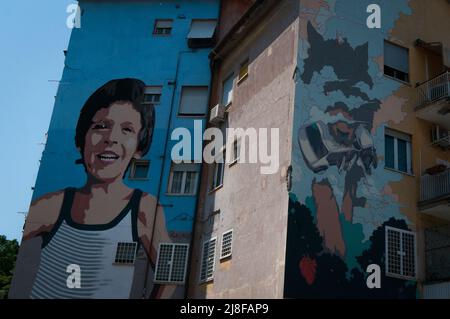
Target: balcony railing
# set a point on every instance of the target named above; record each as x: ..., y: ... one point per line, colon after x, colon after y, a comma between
x: 437, y: 253
x: 434, y: 89
x: 435, y: 186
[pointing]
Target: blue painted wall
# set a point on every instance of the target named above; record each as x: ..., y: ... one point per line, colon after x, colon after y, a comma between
x: 115, y: 41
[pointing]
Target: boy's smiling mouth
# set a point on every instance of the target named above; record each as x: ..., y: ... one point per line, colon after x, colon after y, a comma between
x: 108, y: 157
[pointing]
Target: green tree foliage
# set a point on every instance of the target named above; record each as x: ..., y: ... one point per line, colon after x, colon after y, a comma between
x: 8, y: 254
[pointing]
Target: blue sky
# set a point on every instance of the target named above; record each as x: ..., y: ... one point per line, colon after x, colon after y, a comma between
x: 33, y: 35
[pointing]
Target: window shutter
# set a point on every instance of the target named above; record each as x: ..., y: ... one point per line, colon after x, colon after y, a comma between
x: 396, y: 57
x: 194, y: 101
x: 202, y: 29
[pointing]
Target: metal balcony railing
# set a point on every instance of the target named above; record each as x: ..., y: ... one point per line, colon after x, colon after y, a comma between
x: 435, y: 186
x: 434, y: 89
x: 437, y: 253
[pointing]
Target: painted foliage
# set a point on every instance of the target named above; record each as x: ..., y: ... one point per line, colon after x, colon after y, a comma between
x: 338, y: 207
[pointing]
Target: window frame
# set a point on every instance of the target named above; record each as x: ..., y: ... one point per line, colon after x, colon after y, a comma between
x: 397, y: 135
x: 213, y: 258
x: 193, y: 21
x: 236, y: 151
x: 117, y: 260
x: 170, y: 281
x: 183, y: 181
x: 153, y: 94
x: 408, y: 75
x: 242, y: 76
x: 155, y: 28
x: 214, y: 171
x: 226, y: 79
x: 226, y: 256
x: 132, y: 173
x: 386, y: 253
x: 194, y: 115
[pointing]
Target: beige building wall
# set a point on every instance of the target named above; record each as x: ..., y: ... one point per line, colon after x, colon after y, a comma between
x: 430, y: 22
x: 255, y: 206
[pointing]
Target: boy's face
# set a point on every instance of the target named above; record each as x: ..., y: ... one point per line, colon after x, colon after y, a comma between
x: 112, y: 140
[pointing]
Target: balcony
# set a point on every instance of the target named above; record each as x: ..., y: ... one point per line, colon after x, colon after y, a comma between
x: 433, y: 103
x: 435, y: 194
x: 437, y: 261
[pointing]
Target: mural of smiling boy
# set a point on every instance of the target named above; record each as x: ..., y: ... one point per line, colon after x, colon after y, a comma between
x: 83, y: 226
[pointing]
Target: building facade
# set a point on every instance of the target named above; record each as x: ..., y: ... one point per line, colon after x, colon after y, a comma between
x: 359, y: 207
x: 78, y: 241
x: 335, y: 184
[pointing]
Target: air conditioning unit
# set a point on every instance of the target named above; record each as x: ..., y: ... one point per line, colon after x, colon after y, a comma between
x: 217, y: 114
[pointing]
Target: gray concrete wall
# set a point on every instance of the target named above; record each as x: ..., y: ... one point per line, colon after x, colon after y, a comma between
x: 255, y: 206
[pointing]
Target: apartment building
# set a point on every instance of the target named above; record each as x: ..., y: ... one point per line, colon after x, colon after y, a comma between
x: 359, y: 207
x: 353, y: 115
x: 134, y: 71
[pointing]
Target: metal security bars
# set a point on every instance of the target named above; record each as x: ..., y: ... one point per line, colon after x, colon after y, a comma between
x: 227, y: 244
x: 208, y: 260
x: 434, y: 89
x: 434, y: 186
x: 400, y: 253
x: 171, y: 263
x: 125, y: 253
x: 437, y: 253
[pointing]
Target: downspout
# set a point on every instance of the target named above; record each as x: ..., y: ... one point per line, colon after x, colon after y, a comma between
x: 195, y: 227
x: 175, y: 85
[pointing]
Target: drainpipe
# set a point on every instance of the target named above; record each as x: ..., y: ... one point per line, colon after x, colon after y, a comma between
x: 169, y: 130
x: 197, y: 201
x: 196, y: 227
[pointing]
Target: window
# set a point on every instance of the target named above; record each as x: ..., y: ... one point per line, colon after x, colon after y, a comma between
x: 152, y: 95
x: 208, y: 259
x: 125, y: 253
x: 163, y: 27
x: 171, y: 263
x: 202, y: 33
x: 396, y: 61
x: 400, y: 253
x: 227, y: 90
x: 236, y: 152
x: 139, y: 169
x: 194, y: 101
x: 219, y: 166
x: 227, y: 241
x: 243, y: 71
x: 397, y: 151
x: 183, y: 179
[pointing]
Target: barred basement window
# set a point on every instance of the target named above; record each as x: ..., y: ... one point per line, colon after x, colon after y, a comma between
x: 125, y: 253
x: 208, y: 260
x: 400, y: 253
x: 171, y: 263
x: 227, y: 242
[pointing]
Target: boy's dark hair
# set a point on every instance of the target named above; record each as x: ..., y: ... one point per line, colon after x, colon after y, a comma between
x: 126, y: 90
